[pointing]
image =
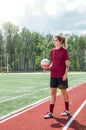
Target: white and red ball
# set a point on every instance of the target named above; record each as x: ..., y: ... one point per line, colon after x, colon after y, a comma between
x: 45, y: 63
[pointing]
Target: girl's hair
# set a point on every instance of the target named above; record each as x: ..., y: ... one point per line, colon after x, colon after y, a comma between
x: 62, y: 40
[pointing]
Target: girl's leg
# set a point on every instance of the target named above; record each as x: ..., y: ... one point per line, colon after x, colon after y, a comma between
x: 53, y: 99
x: 52, y: 103
x: 66, y: 98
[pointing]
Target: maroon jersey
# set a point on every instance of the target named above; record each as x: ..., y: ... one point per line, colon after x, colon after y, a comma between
x: 58, y: 58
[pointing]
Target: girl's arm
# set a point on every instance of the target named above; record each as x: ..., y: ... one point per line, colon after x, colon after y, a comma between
x: 66, y: 70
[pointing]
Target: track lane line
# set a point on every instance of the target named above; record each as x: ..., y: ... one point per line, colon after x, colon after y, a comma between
x: 74, y: 115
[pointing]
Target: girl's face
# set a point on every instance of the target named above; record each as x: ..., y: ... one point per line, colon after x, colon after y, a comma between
x: 57, y: 43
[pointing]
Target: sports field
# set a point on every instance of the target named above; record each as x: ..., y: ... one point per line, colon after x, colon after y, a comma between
x: 20, y: 90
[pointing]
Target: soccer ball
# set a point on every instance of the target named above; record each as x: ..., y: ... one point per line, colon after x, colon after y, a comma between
x: 45, y: 63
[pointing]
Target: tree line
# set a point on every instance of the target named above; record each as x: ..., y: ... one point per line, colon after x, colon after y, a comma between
x: 23, y: 50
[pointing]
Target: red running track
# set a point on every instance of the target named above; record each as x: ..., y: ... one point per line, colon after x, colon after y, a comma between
x: 33, y: 118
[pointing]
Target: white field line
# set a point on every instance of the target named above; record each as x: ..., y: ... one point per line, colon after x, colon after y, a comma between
x: 25, y: 109
x: 80, y: 79
x: 70, y: 72
x: 75, y: 86
x: 9, y: 99
x: 74, y: 115
x: 21, y: 111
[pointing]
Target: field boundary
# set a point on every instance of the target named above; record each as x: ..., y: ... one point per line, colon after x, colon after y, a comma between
x: 70, y: 72
x: 23, y: 110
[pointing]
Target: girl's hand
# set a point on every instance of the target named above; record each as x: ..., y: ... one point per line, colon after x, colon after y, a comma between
x: 64, y: 77
x: 50, y: 66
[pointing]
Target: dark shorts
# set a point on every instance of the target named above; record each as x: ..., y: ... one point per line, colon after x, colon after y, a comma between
x: 58, y: 83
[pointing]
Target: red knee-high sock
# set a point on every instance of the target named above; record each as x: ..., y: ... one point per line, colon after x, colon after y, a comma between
x: 51, y: 108
x: 67, y: 106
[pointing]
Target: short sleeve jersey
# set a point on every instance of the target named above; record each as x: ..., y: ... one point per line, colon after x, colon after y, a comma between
x: 58, y: 58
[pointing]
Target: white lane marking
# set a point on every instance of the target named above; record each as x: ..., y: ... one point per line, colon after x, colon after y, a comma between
x: 23, y: 110
x: 74, y: 115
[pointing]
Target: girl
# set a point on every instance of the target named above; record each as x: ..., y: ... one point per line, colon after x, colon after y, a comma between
x: 58, y: 77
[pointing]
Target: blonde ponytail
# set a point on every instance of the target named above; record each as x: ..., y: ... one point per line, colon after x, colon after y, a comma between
x: 64, y: 44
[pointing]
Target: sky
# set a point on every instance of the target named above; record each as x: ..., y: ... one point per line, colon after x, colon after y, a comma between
x: 45, y: 16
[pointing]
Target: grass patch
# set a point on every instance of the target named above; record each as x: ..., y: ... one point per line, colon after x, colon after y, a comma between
x: 20, y: 90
